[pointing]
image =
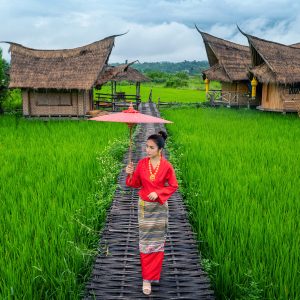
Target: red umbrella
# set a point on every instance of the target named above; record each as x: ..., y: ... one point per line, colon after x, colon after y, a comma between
x: 130, y: 117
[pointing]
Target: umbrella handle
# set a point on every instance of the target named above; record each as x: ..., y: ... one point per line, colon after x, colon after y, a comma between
x: 130, y: 145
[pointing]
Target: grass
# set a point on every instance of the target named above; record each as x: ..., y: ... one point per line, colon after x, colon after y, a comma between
x: 240, y: 171
x: 195, y: 92
x: 162, y: 93
x: 240, y: 177
x: 57, y: 180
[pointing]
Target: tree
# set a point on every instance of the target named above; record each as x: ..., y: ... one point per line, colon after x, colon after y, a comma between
x: 157, y: 76
x: 182, y: 75
x: 3, y: 80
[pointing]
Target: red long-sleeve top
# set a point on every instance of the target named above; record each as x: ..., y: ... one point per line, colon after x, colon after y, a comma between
x: 141, y: 179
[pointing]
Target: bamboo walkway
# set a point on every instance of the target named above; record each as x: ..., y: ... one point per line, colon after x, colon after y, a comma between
x: 117, y: 272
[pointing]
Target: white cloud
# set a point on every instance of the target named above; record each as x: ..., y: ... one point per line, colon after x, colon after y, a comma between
x: 158, y: 29
x: 164, y: 42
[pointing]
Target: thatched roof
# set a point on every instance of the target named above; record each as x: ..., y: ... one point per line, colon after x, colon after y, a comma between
x: 229, y: 61
x: 297, y: 45
x: 274, y: 62
x: 216, y: 72
x: 77, y: 68
x: 131, y: 74
x: 109, y: 73
x: 262, y: 72
x: 121, y: 72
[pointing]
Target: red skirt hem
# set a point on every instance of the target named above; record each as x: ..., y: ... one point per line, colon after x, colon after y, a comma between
x: 151, y: 264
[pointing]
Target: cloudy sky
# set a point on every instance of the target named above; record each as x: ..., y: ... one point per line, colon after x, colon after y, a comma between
x: 158, y: 30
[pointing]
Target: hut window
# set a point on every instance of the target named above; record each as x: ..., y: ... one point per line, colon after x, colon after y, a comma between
x: 294, y: 88
x: 53, y: 99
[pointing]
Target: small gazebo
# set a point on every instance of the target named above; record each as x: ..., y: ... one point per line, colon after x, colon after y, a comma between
x: 229, y: 64
x: 60, y: 82
x: 118, y: 99
x: 277, y: 68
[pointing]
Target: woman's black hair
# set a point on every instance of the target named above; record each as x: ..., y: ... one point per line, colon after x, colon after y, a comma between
x: 159, y: 139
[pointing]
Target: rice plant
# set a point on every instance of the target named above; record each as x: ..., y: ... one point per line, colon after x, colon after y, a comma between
x: 57, y: 179
x: 240, y: 172
x: 162, y: 93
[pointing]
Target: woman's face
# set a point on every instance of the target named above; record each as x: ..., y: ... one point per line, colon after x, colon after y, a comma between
x: 152, y: 149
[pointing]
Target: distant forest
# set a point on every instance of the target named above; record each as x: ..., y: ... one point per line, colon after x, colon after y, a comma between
x: 189, y: 67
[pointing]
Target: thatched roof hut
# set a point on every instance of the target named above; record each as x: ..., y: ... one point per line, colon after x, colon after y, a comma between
x: 77, y: 68
x: 228, y: 61
x: 59, y: 82
x: 125, y: 73
x: 128, y: 74
x: 116, y: 74
x: 277, y: 67
x: 229, y: 64
x: 274, y: 62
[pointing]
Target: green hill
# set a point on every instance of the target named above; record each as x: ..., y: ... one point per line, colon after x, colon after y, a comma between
x: 190, y: 67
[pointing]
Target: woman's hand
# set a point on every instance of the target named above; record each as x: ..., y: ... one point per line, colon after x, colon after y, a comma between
x: 152, y: 196
x: 130, y: 168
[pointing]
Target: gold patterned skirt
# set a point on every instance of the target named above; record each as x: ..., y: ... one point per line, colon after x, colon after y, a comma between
x: 153, y: 227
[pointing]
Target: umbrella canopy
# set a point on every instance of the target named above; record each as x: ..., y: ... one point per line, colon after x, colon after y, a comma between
x: 130, y: 117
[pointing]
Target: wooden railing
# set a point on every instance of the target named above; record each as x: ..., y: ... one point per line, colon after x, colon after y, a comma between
x: 102, y: 100
x: 292, y: 105
x: 178, y: 104
x: 216, y: 97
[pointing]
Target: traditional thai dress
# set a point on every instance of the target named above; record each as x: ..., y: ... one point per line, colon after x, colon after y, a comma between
x: 153, y: 215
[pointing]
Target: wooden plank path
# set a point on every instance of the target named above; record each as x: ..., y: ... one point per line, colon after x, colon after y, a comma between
x: 117, y: 272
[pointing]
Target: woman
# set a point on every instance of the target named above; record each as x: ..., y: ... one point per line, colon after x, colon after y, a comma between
x: 151, y: 175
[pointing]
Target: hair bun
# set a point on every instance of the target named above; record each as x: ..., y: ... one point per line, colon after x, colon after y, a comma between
x: 163, y: 134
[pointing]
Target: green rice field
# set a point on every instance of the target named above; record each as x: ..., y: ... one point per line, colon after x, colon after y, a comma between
x: 57, y: 179
x: 240, y: 176
x: 165, y: 94
x: 239, y: 173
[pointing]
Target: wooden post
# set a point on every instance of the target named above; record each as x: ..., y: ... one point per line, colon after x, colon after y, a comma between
x: 137, y: 94
x: 150, y: 96
x: 115, y: 87
x: 138, y: 84
x: 91, y: 94
x: 29, y: 101
x: 113, y: 94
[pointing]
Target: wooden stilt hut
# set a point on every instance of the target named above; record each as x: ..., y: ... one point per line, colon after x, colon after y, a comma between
x: 60, y: 82
x: 277, y: 68
x: 120, y: 99
x: 229, y: 64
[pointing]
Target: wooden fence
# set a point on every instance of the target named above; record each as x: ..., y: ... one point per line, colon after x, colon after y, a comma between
x: 291, y: 105
x: 227, y: 98
x: 115, y: 101
x: 161, y: 104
